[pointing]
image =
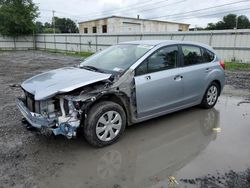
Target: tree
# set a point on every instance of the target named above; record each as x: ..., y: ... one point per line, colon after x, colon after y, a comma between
x: 66, y: 25
x: 17, y: 17
x: 243, y: 22
x: 39, y: 27
x: 210, y: 26
x: 62, y: 25
x: 51, y: 30
x: 229, y: 22
x: 47, y: 25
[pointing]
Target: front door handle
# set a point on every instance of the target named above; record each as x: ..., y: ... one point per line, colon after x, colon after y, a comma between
x: 178, y: 78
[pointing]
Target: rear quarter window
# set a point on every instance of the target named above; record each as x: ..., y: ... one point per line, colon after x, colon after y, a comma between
x: 208, y: 56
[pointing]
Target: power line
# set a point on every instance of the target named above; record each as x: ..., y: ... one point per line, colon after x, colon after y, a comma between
x: 149, y: 9
x: 219, y: 13
x: 162, y: 6
x: 198, y: 10
x: 107, y: 13
x: 127, y: 7
x: 146, y: 10
x: 131, y: 6
x: 186, y: 15
x: 48, y: 10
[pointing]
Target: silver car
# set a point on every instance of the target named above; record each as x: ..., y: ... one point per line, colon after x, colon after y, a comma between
x: 124, y: 84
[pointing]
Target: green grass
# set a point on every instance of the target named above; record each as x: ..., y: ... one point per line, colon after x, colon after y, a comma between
x: 69, y: 53
x: 79, y: 54
x: 74, y: 54
x: 237, y: 66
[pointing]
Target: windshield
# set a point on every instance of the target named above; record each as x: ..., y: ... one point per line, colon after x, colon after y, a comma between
x: 116, y: 58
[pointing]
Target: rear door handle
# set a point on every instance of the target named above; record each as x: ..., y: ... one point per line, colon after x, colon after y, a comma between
x: 178, y: 78
x: 148, y: 77
x: 208, y: 69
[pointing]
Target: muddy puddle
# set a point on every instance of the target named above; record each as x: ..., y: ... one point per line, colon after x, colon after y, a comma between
x: 188, y: 146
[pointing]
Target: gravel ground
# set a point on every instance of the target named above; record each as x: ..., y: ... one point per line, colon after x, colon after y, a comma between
x: 26, y: 158
x: 18, y: 153
x: 231, y: 179
x: 238, y: 79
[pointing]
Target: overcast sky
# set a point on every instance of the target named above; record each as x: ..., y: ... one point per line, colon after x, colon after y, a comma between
x: 195, y: 12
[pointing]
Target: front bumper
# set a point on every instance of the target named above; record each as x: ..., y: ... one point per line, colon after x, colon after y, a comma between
x: 46, y: 125
x: 36, y: 120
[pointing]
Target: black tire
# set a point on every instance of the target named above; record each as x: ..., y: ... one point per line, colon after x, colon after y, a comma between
x: 204, y: 103
x: 96, y: 112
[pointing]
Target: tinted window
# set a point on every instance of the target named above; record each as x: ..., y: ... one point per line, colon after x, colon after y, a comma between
x: 192, y: 55
x: 142, y: 68
x: 165, y: 58
x: 85, y: 30
x: 104, y: 28
x: 207, y: 56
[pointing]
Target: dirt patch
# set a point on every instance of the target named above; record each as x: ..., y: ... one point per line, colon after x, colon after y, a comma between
x: 238, y: 79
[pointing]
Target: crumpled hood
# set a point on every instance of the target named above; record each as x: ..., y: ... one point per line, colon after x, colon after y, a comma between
x: 62, y: 80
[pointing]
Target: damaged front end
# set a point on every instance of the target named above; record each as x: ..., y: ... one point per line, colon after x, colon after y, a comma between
x: 60, y: 115
x: 51, y: 100
x: 66, y: 110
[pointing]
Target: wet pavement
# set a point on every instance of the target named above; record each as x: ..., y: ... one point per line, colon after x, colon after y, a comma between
x: 187, y: 145
x: 190, y: 148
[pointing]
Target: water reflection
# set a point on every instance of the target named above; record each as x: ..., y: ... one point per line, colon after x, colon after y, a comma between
x: 146, y: 155
x: 109, y: 164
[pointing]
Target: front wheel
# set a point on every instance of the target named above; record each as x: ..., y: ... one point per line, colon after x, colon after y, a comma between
x: 106, y: 122
x: 211, y: 96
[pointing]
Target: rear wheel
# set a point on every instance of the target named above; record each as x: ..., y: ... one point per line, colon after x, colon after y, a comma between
x: 211, y: 96
x: 105, y: 123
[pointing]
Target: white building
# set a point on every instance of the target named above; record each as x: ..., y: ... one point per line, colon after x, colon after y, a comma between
x: 118, y: 24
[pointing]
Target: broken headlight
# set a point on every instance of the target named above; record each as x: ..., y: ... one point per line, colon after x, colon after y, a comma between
x: 47, y: 108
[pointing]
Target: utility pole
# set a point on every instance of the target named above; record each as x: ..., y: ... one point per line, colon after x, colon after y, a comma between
x: 236, y: 22
x: 53, y: 21
x: 235, y: 36
x: 77, y: 26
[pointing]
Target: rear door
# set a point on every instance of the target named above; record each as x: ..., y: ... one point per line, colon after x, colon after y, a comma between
x: 158, y: 83
x: 195, y: 69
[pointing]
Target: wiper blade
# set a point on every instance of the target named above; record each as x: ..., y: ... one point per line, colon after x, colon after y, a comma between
x: 92, y: 68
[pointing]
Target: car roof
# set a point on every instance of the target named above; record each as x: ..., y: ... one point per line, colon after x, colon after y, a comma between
x: 166, y: 42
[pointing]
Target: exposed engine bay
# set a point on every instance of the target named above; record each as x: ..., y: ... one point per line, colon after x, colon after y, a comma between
x: 64, y: 113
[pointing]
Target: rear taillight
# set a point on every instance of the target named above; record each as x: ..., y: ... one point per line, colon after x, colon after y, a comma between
x: 222, y: 64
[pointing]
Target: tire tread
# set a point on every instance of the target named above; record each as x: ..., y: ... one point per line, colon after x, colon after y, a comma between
x: 93, y: 115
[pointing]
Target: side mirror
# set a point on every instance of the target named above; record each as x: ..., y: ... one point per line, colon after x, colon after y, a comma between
x: 80, y: 61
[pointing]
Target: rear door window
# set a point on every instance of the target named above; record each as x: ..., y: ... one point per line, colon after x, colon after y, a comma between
x: 192, y: 55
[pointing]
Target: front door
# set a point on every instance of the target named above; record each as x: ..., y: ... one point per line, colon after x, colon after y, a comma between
x: 158, y: 83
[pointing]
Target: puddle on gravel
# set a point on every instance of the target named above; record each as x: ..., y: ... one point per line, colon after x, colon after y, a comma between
x: 180, y: 147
